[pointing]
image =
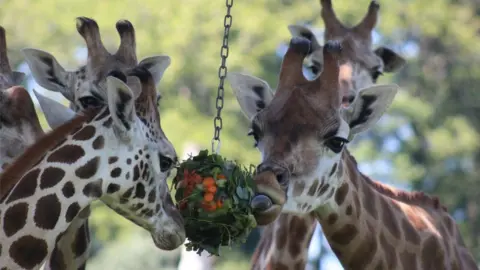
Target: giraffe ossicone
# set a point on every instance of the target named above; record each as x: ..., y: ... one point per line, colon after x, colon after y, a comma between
x: 76, y: 86
x: 8, y: 77
x: 84, y: 160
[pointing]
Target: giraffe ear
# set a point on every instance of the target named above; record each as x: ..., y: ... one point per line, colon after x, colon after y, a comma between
x: 55, y: 113
x: 156, y: 65
x: 253, y: 94
x: 121, y: 104
x: 47, y: 72
x: 391, y: 60
x: 367, y: 108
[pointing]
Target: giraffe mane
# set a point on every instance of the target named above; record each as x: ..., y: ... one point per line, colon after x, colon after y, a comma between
x: 33, y: 154
x: 409, y: 197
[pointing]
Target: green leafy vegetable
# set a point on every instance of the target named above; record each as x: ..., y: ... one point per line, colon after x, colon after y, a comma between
x: 213, y: 196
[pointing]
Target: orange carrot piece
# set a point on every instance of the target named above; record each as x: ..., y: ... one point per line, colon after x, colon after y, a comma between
x: 212, y: 189
x: 208, y: 181
x: 208, y: 197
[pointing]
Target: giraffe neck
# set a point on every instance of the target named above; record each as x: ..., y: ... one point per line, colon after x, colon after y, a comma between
x: 372, y: 226
x: 57, y: 179
x: 284, y: 243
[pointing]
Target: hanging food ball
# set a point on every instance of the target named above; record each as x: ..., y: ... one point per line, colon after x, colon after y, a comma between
x: 214, y: 196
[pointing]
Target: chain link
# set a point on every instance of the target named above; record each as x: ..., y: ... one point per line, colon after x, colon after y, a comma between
x: 222, y: 73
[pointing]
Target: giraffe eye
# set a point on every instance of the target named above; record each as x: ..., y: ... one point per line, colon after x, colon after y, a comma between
x: 336, y: 144
x: 89, y: 102
x: 166, y: 163
x: 255, y: 131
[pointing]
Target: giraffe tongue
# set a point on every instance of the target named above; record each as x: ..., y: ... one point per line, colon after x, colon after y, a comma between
x: 264, y: 211
x: 261, y: 203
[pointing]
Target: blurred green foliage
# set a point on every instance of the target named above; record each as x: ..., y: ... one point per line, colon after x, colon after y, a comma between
x: 434, y: 119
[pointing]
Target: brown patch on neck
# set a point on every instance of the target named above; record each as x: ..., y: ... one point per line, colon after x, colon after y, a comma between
x: 415, y: 197
x: 14, y: 172
x: 288, y: 237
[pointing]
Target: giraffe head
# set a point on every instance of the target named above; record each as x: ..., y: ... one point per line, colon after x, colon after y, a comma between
x: 363, y: 64
x: 19, y: 125
x: 302, y: 129
x: 143, y: 158
x: 76, y: 86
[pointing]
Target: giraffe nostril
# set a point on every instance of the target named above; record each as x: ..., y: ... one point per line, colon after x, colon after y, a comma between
x: 282, y: 178
x: 280, y: 172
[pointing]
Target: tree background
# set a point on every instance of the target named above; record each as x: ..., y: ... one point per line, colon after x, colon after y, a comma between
x: 429, y: 140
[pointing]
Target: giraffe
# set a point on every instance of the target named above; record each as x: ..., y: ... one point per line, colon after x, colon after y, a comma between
x: 19, y: 124
x: 301, y: 132
x: 363, y: 67
x: 106, y: 153
x: 366, y: 64
x: 76, y: 87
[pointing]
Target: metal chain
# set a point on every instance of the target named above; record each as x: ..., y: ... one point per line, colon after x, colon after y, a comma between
x: 222, y: 73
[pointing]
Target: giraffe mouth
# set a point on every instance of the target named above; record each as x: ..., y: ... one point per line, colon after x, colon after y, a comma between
x: 168, y: 241
x: 275, y: 195
x: 267, y: 216
x: 264, y: 209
